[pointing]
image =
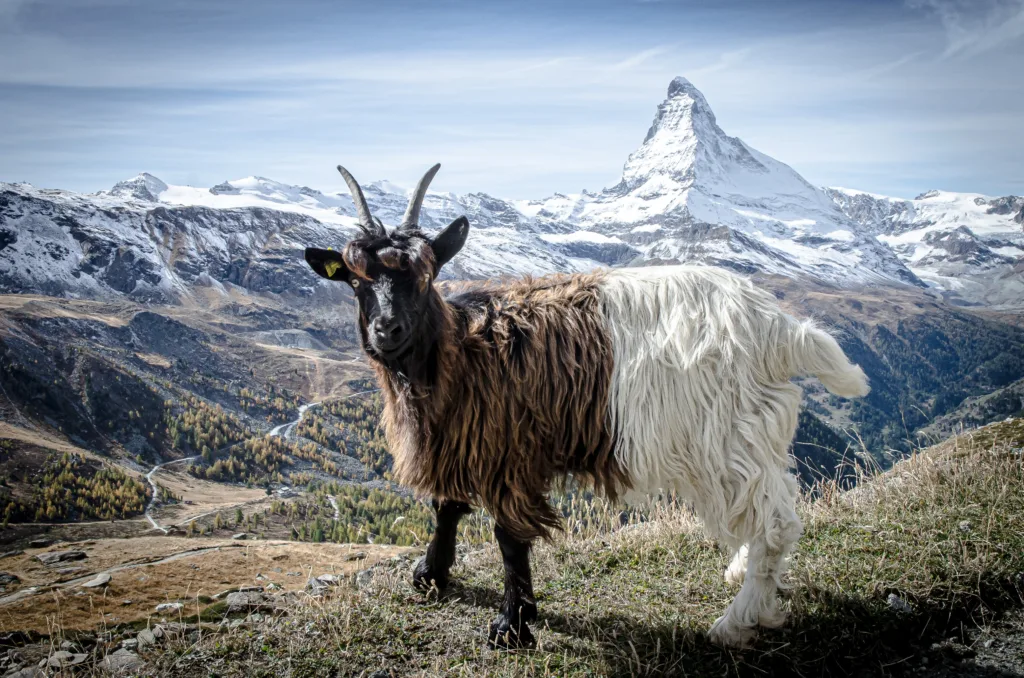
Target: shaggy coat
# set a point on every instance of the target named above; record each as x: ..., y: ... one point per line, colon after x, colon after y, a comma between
x: 520, y: 399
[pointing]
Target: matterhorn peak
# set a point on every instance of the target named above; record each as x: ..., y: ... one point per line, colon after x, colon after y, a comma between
x: 684, y: 122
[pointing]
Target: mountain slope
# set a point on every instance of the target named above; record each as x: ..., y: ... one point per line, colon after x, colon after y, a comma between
x: 968, y: 245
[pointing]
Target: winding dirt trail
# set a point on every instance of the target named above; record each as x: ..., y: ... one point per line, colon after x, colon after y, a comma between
x: 152, y: 484
x: 285, y: 430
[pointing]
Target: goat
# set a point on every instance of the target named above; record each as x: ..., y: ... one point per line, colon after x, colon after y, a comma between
x: 634, y: 380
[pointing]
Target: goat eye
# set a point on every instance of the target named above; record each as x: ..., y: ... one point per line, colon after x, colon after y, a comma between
x: 355, y: 282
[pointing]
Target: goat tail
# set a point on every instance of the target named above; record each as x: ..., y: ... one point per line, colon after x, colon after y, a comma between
x: 814, y: 351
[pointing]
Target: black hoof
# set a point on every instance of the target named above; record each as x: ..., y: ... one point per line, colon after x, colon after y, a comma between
x: 505, y: 635
x: 425, y: 580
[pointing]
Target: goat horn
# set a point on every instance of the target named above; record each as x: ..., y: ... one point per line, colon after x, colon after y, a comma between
x: 412, y: 213
x: 362, y: 209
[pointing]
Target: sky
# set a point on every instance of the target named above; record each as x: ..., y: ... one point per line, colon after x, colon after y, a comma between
x: 518, y: 99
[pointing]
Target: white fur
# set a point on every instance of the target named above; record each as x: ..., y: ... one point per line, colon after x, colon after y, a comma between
x: 702, y: 405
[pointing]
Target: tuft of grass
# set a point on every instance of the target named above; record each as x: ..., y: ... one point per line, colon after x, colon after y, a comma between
x: 941, y: 531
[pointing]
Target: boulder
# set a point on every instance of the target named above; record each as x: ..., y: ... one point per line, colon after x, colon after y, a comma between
x: 358, y: 555
x: 41, y: 542
x: 6, y: 579
x: 10, y: 554
x: 240, y: 535
x: 169, y: 607
x: 54, y: 557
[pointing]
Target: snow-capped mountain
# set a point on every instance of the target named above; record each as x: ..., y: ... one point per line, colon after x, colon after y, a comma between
x: 693, y: 193
x: 966, y: 244
x: 159, y: 242
x: 690, y: 192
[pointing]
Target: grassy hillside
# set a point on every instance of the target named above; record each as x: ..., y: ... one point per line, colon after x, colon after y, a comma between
x: 893, y: 576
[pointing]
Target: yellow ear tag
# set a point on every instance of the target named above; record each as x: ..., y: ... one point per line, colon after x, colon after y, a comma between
x: 332, y: 267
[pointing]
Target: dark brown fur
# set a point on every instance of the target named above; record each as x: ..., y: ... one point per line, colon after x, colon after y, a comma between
x: 517, y: 398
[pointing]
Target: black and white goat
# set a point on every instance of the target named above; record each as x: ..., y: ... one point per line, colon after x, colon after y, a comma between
x: 640, y: 380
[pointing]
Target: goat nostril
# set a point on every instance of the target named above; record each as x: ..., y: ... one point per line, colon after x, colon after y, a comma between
x: 396, y: 331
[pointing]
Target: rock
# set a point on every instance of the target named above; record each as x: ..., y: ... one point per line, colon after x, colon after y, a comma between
x: 381, y: 674
x: 358, y: 555
x: 965, y: 526
x: 29, y: 654
x: 146, y: 638
x: 898, y: 604
x: 54, y: 557
x: 41, y: 542
x: 102, y: 579
x: 123, y: 663
x: 10, y: 554
x: 6, y: 579
x: 130, y: 643
x: 62, y: 658
x: 364, y: 578
x: 248, y: 602
x: 240, y: 535
x: 329, y: 579
x: 169, y: 607
x: 67, y: 645
x: 250, y: 589
x: 126, y: 602
x: 273, y: 587
x: 315, y: 587
x: 30, y: 672
x: 158, y: 632
x: 71, y: 570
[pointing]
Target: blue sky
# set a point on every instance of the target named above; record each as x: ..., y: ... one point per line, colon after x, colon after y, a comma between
x: 518, y: 99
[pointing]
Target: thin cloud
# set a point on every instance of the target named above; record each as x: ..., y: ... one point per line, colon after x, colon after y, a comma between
x: 974, y: 26
x: 638, y: 59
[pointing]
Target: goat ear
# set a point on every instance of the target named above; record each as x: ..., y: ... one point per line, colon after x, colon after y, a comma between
x: 327, y: 263
x: 449, y: 241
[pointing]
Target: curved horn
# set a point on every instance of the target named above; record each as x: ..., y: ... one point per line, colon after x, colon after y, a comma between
x: 362, y: 209
x: 412, y: 213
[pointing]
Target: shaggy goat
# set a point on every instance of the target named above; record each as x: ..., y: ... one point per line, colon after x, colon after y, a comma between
x: 638, y: 380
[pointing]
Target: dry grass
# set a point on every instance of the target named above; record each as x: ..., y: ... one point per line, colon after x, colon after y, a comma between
x: 210, y: 566
x: 941, y: 531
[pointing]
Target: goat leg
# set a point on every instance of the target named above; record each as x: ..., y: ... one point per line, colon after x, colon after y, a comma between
x: 432, y: 569
x: 509, y: 631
